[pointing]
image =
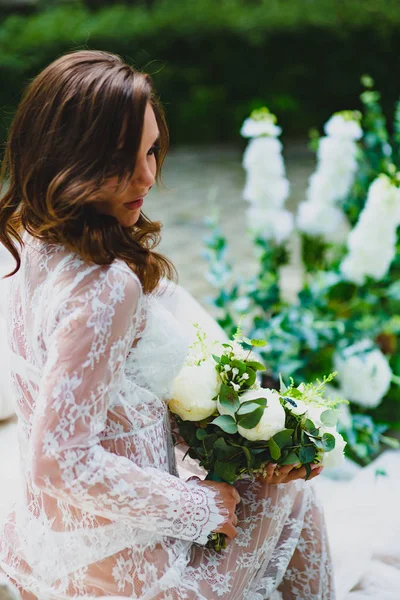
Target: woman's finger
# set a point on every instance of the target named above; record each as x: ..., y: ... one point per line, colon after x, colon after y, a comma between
x: 230, y: 530
x: 315, y: 473
x: 270, y: 471
x: 302, y: 473
x: 296, y: 474
x: 236, y: 496
x: 281, y: 473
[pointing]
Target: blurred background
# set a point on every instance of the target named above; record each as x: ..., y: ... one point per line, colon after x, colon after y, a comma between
x: 212, y: 63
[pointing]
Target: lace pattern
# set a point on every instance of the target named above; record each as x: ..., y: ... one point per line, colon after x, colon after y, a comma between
x: 102, y: 510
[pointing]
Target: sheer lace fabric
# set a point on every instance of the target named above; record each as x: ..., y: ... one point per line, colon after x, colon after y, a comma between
x: 102, y: 511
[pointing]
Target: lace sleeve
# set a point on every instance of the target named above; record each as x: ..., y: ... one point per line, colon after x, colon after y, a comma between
x: 88, y: 342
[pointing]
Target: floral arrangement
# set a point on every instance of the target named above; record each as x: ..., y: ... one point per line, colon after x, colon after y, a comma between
x: 344, y: 314
x: 235, y: 427
x: 321, y: 214
x: 266, y: 187
x: 371, y: 245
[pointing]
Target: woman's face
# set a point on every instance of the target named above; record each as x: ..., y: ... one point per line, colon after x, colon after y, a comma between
x: 125, y: 206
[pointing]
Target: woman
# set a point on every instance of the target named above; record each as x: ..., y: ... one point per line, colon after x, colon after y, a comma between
x: 94, y: 350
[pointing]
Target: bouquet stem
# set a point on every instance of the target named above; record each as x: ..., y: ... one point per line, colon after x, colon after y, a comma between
x: 217, y: 541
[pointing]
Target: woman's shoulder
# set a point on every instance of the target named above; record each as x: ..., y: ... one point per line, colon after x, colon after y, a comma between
x: 61, y: 268
x: 113, y: 282
x: 119, y: 268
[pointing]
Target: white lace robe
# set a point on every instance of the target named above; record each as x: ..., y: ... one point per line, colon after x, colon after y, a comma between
x: 102, y: 511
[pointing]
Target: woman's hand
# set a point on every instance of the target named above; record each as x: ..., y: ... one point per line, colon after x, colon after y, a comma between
x: 283, y: 474
x: 228, y: 497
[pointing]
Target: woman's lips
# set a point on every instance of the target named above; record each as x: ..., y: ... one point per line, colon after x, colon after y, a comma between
x: 135, y: 204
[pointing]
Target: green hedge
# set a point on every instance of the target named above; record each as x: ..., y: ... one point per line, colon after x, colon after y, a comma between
x: 213, y: 61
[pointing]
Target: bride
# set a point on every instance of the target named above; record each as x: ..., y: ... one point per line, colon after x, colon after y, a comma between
x: 94, y: 349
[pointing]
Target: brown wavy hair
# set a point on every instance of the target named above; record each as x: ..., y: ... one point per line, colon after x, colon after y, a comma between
x: 63, y: 144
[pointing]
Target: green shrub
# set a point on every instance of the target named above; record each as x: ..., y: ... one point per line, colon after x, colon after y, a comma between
x: 212, y: 62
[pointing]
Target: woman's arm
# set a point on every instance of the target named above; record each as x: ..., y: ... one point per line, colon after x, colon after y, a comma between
x: 87, y: 347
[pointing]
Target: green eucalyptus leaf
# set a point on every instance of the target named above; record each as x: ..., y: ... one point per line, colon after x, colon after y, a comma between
x: 329, y: 418
x: 210, y: 440
x: 283, y: 438
x: 250, y: 420
x: 226, y: 423
x: 290, y: 459
x: 256, y: 366
x: 229, y: 399
x: 318, y: 443
x: 201, y: 433
x: 274, y: 449
x: 224, y: 451
x: 307, y: 454
x: 227, y: 392
x: 247, y: 407
x: 309, y: 425
x: 227, y: 471
x: 240, y: 365
x: 308, y: 471
x: 251, y: 405
x: 328, y: 441
x: 252, y: 377
x: 312, y: 430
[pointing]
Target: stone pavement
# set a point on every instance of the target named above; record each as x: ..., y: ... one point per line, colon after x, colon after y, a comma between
x: 192, y: 176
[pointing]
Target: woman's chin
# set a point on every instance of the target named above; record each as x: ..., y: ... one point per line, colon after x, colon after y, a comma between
x: 129, y: 220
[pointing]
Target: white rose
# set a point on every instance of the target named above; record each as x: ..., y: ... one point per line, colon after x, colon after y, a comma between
x: 314, y: 413
x: 335, y: 457
x: 252, y: 128
x: 193, y: 391
x: 364, y: 374
x: 273, y: 419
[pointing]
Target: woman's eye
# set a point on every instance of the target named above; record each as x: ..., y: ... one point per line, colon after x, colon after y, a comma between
x: 153, y: 150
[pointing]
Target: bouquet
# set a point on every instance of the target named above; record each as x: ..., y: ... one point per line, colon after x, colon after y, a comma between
x: 234, y: 427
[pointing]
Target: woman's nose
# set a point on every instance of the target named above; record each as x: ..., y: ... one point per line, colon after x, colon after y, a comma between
x: 144, y: 174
